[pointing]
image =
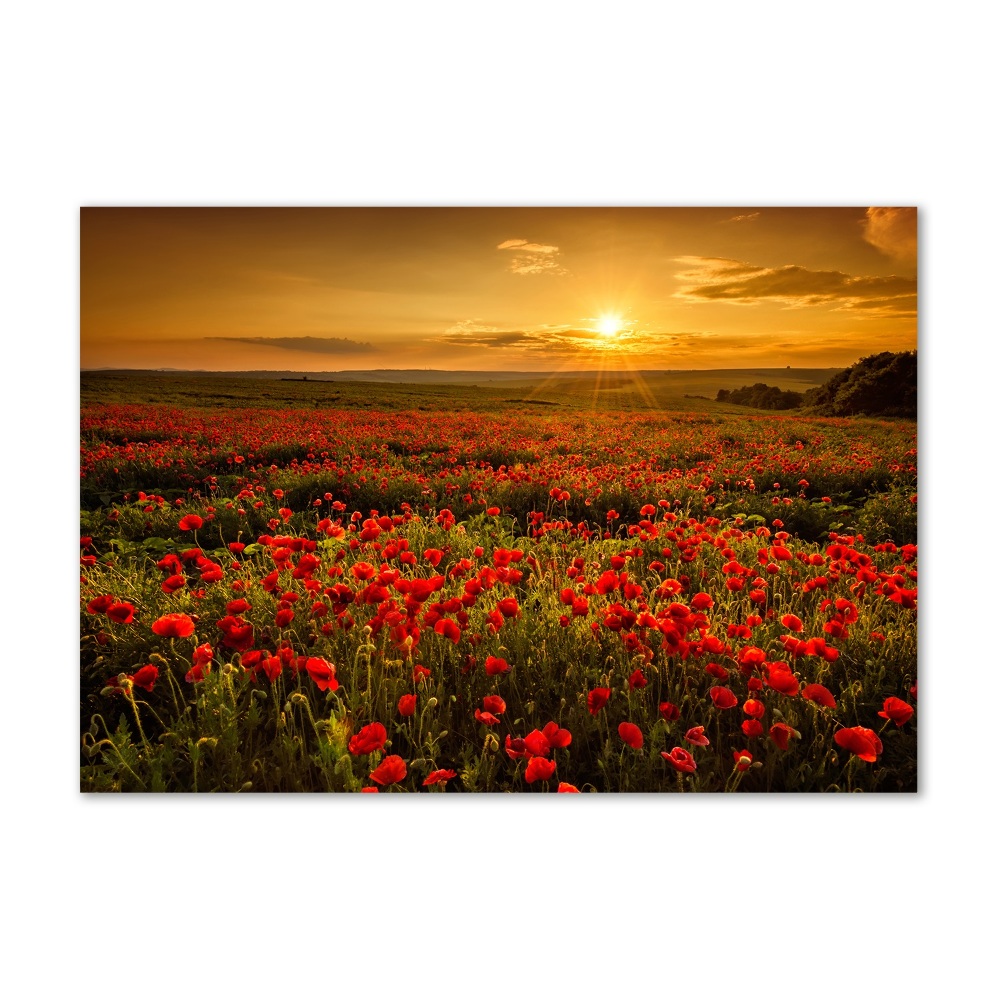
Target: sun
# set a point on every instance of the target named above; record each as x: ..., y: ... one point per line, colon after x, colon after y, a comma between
x: 609, y: 324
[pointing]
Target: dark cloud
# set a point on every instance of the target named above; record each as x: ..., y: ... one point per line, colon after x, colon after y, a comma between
x: 311, y: 345
x: 483, y: 338
x: 719, y: 279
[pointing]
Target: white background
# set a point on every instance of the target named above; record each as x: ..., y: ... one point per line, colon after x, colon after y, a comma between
x: 482, y: 104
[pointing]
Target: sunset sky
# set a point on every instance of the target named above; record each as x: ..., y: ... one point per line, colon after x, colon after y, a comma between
x: 530, y: 289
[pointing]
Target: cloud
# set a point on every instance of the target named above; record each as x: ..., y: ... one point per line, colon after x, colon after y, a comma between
x: 562, y: 341
x: 744, y: 218
x: 893, y: 231
x: 720, y: 279
x: 311, y: 345
x: 532, y: 258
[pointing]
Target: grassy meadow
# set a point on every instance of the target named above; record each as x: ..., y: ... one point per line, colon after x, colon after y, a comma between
x: 556, y: 584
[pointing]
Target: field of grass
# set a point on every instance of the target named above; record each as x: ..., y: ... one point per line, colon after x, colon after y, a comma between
x: 304, y: 586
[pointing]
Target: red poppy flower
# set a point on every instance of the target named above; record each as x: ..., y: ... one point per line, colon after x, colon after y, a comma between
x: 368, y: 739
x: 751, y: 728
x: 407, y: 705
x: 597, y: 699
x: 754, y: 708
x: 190, y: 522
x: 669, y: 711
x: 495, y: 704
x: 722, y: 697
x: 782, y: 679
x: 630, y: 734
x: 897, y: 710
x: 173, y: 626
x: 508, y: 607
x: 792, y: 622
x: 780, y: 733
x: 696, y: 736
x: 537, y: 744
x: 145, y: 677
x: 743, y: 759
x: 862, y: 742
x: 122, y: 612
x: 558, y: 738
x: 323, y: 673
x: 172, y: 583
x: 565, y: 786
x: 392, y: 769
x: 680, y: 759
x: 637, y: 679
x: 496, y: 665
x: 702, y: 602
x: 99, y: 605
x: 200, y: 663
x: 369, y: 788
x: 820, y: 695
x: 539, y: 769
x: 440, y: 775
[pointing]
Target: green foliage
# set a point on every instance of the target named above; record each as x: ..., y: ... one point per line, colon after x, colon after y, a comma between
x: 761, y: 397
x: 878, y: 385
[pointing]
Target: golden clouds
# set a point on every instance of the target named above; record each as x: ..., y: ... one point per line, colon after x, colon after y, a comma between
x: 893, y: 231
x: 532, y: 258
x: 719, y: 279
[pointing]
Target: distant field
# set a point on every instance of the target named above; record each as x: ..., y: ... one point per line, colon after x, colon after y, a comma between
x: 666, y: 391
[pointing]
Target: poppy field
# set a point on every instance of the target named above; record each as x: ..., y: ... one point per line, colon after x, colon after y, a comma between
x: 503, y: 598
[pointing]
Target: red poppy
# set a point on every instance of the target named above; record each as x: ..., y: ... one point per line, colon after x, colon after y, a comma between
x: 780, y: 733
x: 539, y: 769
x: 782, y: 679
x: 440, y: 775
x: 637, y: 679
x: 369, y: 788
x: 722, y: 697
x: 743, y: 759
x: 680, y: 759
x: 190, y: 522
x: 792, y: 622
x: 368, y: 739
x: 751, y: 728
x: 669, y: 711
x: 508, y: 607
x: 173, y: 626
x: 597, y: 699
x: 486, y: 718
x: 392, y: 769
x: 897, y: 710
x: 630, y: 734
x: 172, y: 583
x: 862, y: 742
x: 696, y: 736
x: 145, y: 677
x: 323, y: 672
x: 407, y: 705
x: 495, y: 704
x: 558, y: 738
x: 496, y: 665
x: 122, y: 612
x: 537, y: 744
x: 99, y: 605
x: 820, y: 695
x: 754, y: 708
x: 565, y: 786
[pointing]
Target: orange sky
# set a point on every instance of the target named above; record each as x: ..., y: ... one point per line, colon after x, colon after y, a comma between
x: 307, y: 289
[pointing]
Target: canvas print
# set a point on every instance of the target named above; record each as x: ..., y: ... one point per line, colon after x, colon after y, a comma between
x: 494, y: 499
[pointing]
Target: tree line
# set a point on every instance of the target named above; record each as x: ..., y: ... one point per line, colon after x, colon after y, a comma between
x: 879, y: 385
